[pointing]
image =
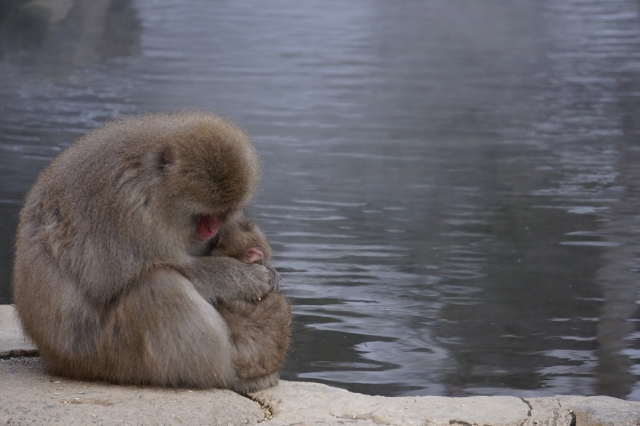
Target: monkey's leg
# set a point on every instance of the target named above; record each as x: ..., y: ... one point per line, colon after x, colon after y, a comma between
x: 260, y: 335
x: 162, y: 332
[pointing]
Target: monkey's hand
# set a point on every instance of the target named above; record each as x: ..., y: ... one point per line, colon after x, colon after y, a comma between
x: 255, y: 255
x: 224, y: 279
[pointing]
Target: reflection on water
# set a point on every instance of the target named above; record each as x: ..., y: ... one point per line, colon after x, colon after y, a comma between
x: 63, y: 33
x: 451, y: 189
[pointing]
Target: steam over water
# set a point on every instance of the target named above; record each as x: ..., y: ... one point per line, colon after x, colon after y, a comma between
x: 451, y: 188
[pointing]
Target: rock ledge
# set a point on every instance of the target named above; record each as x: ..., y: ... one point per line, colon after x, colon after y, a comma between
x: 29, y: 395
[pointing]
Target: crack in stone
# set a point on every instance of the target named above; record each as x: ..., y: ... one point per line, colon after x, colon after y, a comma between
x: 266, y: 408
x: 530, y: 407
x: 573, y: 415
x: 19, y: 353
x: 460, y: 422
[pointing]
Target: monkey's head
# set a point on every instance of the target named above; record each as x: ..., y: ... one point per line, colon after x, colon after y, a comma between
x: 192, y: 171
x: 211, y: 168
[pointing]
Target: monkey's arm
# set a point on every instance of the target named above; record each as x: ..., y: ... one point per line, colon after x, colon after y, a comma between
x: 223, y: 279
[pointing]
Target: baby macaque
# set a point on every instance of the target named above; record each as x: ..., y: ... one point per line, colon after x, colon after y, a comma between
x: 243, y: 240
x: 118, y: 275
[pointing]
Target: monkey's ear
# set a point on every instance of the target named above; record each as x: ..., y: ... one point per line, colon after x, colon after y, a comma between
x: 166, y: 159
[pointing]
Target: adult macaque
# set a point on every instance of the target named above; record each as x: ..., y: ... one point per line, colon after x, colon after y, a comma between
x: 114, y: 276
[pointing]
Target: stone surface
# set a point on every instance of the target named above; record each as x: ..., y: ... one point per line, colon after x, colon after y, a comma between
x: 28, y: 395
x: 546, y: 412
x: 12, y: 340
x: 602, y: 410
x: 293, y: 402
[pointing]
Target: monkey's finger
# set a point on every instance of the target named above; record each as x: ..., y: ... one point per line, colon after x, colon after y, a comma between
x: 275, y: 279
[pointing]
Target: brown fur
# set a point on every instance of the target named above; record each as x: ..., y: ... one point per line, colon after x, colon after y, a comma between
x: 243, y: 318
x: 109, y: 280
x: 243, y: 234
x: 248, y: 326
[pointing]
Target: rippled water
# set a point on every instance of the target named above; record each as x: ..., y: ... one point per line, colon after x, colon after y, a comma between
x: 452, y: 188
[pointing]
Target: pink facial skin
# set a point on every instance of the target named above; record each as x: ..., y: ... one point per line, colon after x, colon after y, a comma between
x: 207, y: 226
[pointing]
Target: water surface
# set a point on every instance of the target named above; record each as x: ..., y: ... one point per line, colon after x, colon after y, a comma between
x: 451, y: 188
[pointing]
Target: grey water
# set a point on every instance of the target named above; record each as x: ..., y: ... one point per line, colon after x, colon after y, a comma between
x: 451, y: 188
